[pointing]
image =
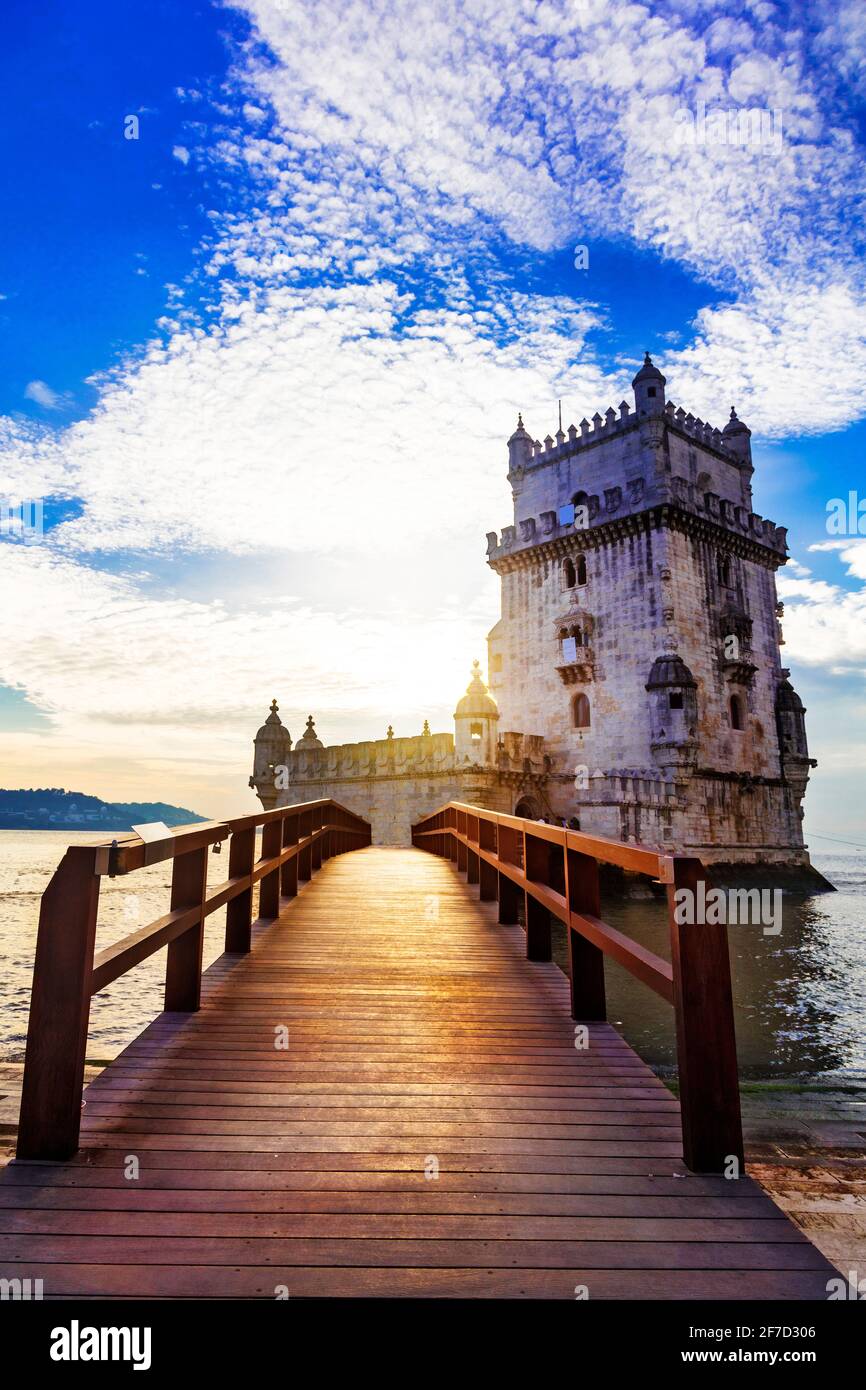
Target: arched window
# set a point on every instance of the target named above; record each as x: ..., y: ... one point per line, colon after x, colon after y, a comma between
x: 724, y: 568
x: 580, y: 711
x: 736, y: 712
x: 581, y: 569
x: 476, y: 732
x: 569, y: 577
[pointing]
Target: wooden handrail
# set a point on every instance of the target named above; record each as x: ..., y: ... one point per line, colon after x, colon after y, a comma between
x: 554, y: 871
x: 296, y: 840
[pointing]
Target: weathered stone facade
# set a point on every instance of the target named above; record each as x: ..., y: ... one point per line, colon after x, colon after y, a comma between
x: 638, y: 647
x: 640, y: 633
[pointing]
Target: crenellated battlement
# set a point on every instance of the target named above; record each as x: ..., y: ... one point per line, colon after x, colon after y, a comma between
x: 657, y: 455
x: 600, y: 428
x: 372, y: 757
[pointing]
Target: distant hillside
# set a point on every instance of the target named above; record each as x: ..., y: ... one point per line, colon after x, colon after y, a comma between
x: 53, y: 808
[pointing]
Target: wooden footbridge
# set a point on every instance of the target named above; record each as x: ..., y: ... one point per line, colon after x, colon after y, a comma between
x: 385, y: 1087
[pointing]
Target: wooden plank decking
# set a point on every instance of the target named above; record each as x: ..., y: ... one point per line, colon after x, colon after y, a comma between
x: 418, y: 1034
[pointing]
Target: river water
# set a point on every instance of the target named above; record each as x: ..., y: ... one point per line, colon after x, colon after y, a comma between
x: 800, y: 996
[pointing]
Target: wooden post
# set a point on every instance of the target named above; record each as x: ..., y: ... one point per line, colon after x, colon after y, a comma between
x: 538, y: 934
x: 538, y: 938
x: 59, y: 1010
x: 269, y: 889
x: 508, y: 892
x: 586, y: 961
x: 487, y: 872
x: 488, y: 881
x: 239, y: 912
x: 289, y: 874
x: 509, y: 899
x: 706, y: 1043
x: 183, y: 962
x: 471, y: 866
x: 462, y: 856
x: 304, y: 860
x: 316, y: 847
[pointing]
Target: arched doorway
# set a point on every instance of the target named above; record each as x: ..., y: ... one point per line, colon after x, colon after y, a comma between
x: 528, y: 807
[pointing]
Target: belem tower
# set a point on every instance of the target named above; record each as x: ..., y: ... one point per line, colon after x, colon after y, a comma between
x: 636, y: 688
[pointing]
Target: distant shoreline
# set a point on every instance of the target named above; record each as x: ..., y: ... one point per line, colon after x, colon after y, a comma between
x: 55, y: 808
x: 87, y: 827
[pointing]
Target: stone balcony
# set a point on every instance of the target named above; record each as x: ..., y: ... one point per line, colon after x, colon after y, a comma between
x: 579, y: 669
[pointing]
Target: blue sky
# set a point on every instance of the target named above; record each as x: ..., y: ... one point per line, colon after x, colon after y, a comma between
x: 261, y: 361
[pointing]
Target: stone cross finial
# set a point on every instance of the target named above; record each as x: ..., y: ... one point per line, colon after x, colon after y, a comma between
x: 274, y: 706
x: 426, y: 729
x: 390, y: 733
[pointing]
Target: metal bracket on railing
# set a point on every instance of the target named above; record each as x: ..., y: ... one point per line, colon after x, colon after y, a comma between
x: 666, y: 869
x: 112, y: 860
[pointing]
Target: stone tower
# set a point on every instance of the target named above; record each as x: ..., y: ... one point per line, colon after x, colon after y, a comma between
x: 639, y: 633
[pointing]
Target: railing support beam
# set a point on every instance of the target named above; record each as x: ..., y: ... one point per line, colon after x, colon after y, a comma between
x: 706, y: 1043
x: 289, y: 874
x: 183, y: 961
x: 239, y: 912
x: 585, y: 960
x: 269, y: 888
x: 50, y: 1116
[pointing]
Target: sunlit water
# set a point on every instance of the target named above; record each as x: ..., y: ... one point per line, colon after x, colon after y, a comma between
x: 800, y: 996
x: 27, y: 860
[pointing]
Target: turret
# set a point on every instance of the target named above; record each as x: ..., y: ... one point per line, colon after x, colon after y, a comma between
x: 475, y: 720
x: 272, y: 745
x: 737, y: 438
x: 673, y: 693
x: 649, y: 389
x: 519, y: 448
x: 793, y: 748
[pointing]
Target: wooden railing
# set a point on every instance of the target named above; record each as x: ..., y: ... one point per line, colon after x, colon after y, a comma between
x: 295, y: 842
x: 555, y: 871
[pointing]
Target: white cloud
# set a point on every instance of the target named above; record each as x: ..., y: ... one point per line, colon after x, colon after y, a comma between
x: 307, y: 422
x: 42, y: 394
x: 851, y: 552
x: 181, y: 153
x: 163, y: 691
x: 824, y: 623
